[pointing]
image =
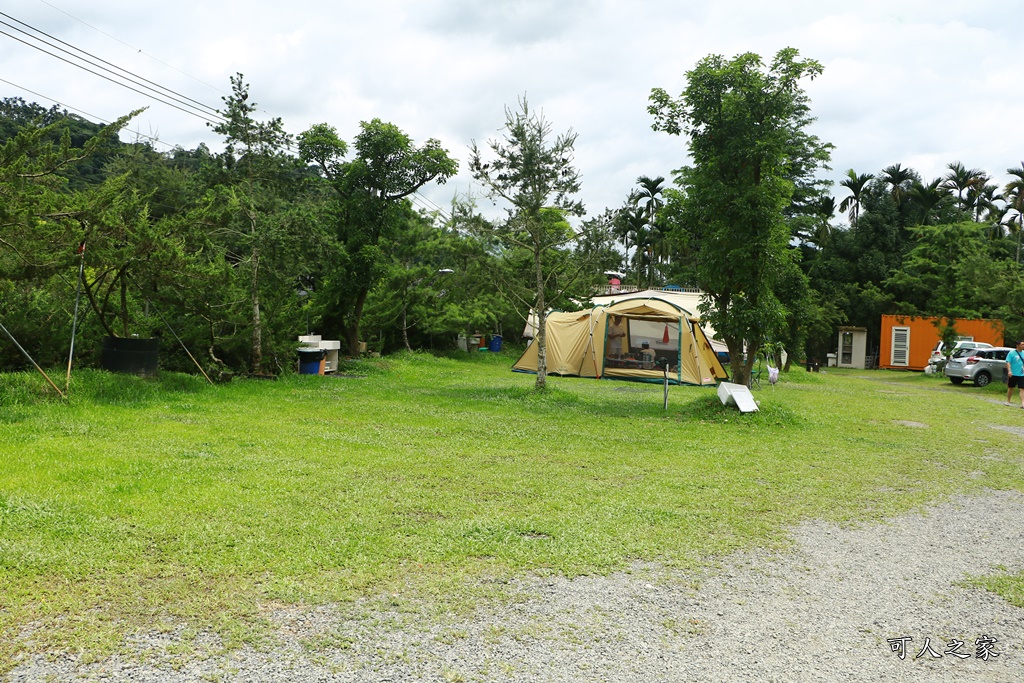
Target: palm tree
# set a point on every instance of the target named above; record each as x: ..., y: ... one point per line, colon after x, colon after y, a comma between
x: 927, y: 198
x: 823, y: 214
x: 649, y: 200
x: 631, y: 228
x: 855, y: 184
x: 982, y: 199
x: 1004, y: 223
x: 899, y: 179
x: 1015, y: 202
x: 648, y: 195
x: 960, y: 179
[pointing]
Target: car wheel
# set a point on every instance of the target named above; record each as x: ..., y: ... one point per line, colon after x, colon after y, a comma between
x: 982, y: 379
x: 956, y: 380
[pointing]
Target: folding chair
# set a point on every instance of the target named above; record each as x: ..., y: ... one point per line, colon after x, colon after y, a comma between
x: 755, y: 375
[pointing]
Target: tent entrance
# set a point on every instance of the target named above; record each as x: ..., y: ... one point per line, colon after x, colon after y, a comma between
x: 640, y: 344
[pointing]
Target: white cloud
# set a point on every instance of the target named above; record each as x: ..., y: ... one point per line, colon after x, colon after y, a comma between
x: 918, y: 82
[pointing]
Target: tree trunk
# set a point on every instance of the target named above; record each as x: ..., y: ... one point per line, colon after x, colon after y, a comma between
x: 124, y: 302
x: 741, y: 368
x: 353, y: 328
x: 97, y: 309
x: 736, y: 367
x: 748, y: 365
x: 542, y: 347
x: 257, y: 323
x: 405, y: 327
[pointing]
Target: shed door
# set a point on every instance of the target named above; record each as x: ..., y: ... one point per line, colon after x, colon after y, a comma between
x: 846, y: 349
x: 900, y: 346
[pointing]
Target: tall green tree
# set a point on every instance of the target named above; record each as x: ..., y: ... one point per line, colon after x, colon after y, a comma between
x: 255, y: 168
x: 371, y: 193
x: 746, y: 124
x: 629, y: 227
x: 985, y: 199
x: 43, y: 216
x: 535, y: 175
x: 931, y: 280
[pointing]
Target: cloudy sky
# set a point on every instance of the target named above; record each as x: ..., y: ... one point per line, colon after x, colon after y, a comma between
x: 918, y: 82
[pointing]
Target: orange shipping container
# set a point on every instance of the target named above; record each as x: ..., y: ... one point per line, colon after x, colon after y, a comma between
x: 907, y: 341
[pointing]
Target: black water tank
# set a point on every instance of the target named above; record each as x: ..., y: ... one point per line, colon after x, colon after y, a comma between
x: 131, y: 355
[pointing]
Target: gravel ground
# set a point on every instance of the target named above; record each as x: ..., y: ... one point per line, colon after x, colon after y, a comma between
x: 822, y: 611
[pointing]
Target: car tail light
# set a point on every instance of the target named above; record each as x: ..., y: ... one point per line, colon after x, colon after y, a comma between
x: 972, y: 360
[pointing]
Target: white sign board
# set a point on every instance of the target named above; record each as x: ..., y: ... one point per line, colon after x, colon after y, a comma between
x: 737, y: 395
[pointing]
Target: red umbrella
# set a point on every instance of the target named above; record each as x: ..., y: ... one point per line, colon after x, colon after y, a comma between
x: 664, y: 338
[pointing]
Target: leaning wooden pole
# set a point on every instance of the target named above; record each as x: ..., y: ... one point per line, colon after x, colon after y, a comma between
x: 168, y: 325
x: 74, y: 321
x: 31, y: 360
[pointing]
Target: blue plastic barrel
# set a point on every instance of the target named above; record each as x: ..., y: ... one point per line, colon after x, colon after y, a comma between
x: 496, y: 343
x: 309, y: 361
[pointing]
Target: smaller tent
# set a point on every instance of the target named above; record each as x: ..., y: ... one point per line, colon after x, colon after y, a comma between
x: 630, y: 339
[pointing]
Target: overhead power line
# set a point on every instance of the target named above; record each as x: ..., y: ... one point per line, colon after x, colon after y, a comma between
x: 428, y: 204
x: 132, y: 47
x: 85, y: 113
x: 140, y: 51
x: 169, y: 91
x: 154, y: 94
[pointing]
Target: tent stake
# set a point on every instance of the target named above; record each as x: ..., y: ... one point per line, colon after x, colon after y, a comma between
x: 11, y: 337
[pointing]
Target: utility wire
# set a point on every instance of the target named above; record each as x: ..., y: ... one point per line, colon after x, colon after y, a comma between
x: 417, y: 198
x: 137, y: 50
x: 170, y: 93
x: 110, y: 79
x: 142, y: 52
x: 91, y: 116
x: 202, y: 116
x: 423, y: 201
x: 428, y: 204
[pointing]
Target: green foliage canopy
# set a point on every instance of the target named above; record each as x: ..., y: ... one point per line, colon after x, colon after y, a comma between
x: 750, y: 152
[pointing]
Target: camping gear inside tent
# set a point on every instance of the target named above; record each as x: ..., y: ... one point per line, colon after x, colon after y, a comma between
x: 686, y: 299
x: 654, y: 330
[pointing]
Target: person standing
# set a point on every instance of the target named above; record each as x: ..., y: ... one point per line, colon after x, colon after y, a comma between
x: 616, y: 337
x: 1015, y: 373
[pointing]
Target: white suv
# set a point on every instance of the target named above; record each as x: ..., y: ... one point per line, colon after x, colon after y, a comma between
x: 938, y: 357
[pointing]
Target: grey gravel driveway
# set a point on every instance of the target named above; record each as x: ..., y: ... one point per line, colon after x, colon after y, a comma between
x: 840, y: 605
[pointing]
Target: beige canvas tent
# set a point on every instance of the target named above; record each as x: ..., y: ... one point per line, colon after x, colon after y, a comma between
x: 653, y: 330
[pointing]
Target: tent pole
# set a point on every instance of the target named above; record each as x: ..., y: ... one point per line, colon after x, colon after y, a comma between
x: 696, y: 350
x: 11, y: 337
x: 665, y: 406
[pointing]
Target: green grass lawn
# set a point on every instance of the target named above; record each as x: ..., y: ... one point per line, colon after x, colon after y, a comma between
x: 143, y: 504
